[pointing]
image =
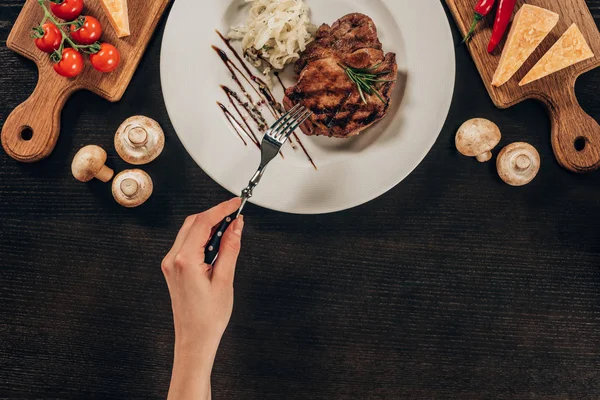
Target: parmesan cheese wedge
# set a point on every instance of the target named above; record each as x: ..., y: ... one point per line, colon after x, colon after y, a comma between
x: 530, y: 27
x: 118, y: 15
x: 570, y: 49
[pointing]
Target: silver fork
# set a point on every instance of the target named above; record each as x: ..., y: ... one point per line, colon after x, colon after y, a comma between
x: 274, y: 138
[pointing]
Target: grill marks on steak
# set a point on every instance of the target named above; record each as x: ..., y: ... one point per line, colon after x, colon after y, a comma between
x: 324, y: 87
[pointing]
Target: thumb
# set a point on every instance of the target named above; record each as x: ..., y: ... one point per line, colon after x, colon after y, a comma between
x: 224, y: 269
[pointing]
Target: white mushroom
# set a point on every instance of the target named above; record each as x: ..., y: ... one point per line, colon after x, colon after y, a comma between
x: 88, y: 164
x: 139, y: 140
x: 477, y: 137
x: 132, y: 187
x: 518, y: 163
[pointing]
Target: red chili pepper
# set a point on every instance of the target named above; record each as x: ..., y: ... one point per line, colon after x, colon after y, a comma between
x: 482, y: 8
x: 503, y: 15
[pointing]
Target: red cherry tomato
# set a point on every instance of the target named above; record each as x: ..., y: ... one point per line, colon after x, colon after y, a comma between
x: 51, y: 39
x: 68, y: 9
x: 107, y: 59
x: 71, y: 63
x: 89, y: 33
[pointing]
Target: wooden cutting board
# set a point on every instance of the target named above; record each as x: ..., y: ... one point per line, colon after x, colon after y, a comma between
x: 30, y: 132
x: 575, y: 135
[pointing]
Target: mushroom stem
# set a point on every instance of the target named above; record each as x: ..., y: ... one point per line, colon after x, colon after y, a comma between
x: 129, y: 187
x: 522, y: 162
x: 485, y: 157
x: 138, y: 136
x: 105, y: 174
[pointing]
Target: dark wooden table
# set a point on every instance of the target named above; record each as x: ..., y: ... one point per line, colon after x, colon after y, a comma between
x: 453, y: 285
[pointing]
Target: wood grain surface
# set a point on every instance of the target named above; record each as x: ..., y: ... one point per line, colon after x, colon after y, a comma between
x: 40, y: 113
x: 575, y: 134
x: 451, y: 286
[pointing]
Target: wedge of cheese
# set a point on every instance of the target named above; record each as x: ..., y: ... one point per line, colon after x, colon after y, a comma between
x: 118, y: 15
x: 530, y: 26
x: 570, y: 49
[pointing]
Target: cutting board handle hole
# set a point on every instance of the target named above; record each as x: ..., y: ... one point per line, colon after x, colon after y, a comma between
x: 26, y: 133
x: 580, y: 143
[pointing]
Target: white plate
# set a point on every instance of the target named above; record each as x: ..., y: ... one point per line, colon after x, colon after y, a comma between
x: 351, y: 171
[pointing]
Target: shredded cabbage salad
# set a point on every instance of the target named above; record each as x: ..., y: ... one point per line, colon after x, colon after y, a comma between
x: 275, y: 33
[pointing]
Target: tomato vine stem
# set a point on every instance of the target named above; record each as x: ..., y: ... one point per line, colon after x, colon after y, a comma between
x: 57, y: 55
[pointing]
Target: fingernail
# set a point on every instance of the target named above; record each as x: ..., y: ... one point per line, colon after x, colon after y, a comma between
x: 239, y: 225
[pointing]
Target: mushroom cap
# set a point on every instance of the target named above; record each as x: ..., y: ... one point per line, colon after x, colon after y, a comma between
x: 88, y: 161
x: 132, y: 187
x: 139, y: 140
x: 518, y: 163
x: 477, y: 136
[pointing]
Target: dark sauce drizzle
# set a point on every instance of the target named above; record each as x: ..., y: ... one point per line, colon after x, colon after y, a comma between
x: 280, y: 81
x: 295, y: 135
x: 251, y: 107
x: 231, y: 95
x: 306, y: 152
x: 231, y: 120
x: 262, y: 86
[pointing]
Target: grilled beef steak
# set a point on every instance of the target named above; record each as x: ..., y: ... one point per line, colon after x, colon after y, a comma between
x: 325, y: 88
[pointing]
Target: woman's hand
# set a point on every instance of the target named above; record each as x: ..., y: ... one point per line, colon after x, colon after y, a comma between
x: 201, y: 297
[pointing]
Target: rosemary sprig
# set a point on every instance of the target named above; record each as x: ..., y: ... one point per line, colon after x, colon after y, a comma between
x: 366, y: 79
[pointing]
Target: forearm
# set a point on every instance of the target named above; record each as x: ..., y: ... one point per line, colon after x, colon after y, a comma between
x: 191, y: 375
x: 201, y: 298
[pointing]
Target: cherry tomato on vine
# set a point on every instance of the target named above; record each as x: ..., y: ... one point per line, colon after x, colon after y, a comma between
x: 51, y: 40
x: 71, y: 63
x: 107, y: 59
x: 89, y: 33
x: 68, y: 9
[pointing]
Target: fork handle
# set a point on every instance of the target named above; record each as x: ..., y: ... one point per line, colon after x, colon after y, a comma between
x: 214, y: 244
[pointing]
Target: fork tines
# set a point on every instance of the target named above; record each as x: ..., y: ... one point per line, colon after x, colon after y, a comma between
x: 288, y: 123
